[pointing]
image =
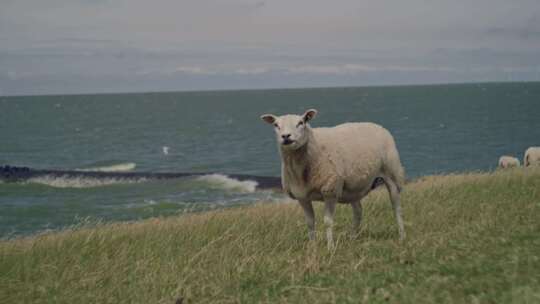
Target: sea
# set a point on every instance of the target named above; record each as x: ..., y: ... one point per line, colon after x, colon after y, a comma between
x: 439, y: 129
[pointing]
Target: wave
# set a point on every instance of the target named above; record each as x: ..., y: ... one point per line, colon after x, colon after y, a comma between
x: 80, y: 181
x: 94, y: 178
x: 219, y: 181
x: 227, y: 183
x: 122, y: 167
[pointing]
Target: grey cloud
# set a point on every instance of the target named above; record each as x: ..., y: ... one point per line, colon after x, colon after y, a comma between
x: 522, y: 33
x: 98, y: 45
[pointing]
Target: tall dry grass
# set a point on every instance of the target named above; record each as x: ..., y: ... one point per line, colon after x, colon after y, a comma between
x: 472, y: 238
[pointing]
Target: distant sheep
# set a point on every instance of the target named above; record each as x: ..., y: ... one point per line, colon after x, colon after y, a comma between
x: 506, y: 162
x: 532, y: 157
x: 338, y: 164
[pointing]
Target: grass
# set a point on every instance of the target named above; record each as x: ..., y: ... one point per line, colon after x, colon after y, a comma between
x: 472, y: 238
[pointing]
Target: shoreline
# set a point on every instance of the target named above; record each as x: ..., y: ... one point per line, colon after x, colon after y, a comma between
x: 421, y: 181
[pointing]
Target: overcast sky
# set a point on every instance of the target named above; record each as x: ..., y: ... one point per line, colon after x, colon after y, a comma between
x: 90, y: 46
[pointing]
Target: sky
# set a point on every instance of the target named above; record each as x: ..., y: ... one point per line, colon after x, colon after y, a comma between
x: 101, y: 46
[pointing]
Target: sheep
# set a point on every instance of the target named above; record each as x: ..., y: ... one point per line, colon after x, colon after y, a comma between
x: 508, y: 162
x: 338, y: 164
x: 532, y: 157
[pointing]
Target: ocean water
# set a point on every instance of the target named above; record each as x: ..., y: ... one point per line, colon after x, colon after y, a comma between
x: 437, y: 128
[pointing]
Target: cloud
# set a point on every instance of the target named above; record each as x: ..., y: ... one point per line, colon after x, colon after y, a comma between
x: 194, y: 70
x: 214, y: 44
x: 314, y: 70
x: 351, y: 69
x: 252, y: 71
x: 524, y: 33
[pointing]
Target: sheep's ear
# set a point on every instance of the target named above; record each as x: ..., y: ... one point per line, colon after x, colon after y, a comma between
x: 309, y: 115
x: 269, y: 118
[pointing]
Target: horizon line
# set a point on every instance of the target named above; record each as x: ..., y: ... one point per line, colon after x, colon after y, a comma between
x: 275, y: 88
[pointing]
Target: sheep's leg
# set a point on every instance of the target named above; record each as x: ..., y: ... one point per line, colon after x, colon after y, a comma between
x: 329, y: 211
x: 357, y: 215
x: 310, y: 218
x: 393, y: 191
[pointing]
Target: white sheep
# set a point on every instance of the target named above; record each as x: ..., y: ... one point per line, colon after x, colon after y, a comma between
x: 338, y: 164
x: 508, y: 162
x: 532, y: 157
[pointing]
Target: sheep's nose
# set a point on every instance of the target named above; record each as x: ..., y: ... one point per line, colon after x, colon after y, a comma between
x: 285, y: 136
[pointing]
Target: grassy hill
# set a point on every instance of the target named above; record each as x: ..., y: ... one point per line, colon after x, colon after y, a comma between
x: 472, y: 238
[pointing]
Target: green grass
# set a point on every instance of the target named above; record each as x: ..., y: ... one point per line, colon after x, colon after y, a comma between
x: 472, y: 238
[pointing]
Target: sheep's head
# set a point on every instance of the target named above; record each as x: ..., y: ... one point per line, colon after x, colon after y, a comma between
x: 291, y: 130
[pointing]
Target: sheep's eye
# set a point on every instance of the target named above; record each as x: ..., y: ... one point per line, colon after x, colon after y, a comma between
x: 276, y: 125
x: 300, y: 123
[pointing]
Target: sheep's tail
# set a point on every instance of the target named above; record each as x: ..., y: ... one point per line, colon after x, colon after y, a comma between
x: 393, y: 166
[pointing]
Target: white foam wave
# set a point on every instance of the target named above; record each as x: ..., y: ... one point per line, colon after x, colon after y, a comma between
x: 80, y: 182
x: 112, y: 168
x: 227, y: 183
